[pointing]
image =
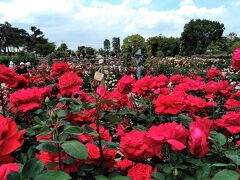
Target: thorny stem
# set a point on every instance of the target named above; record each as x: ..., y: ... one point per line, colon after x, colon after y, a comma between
x: 98, y: 129
x: 58, y: 144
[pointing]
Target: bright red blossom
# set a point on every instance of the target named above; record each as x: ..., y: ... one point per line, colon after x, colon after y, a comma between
x: 230, y: 121
x: 10, y: 137
x: 69, y: 83
x: 124, y: 84
x: 59, y: 68
x: 236, y: 59
x: 172, y: 133
x: 5, y: 169
x: 25, y: 100
x: 170, y: 104
x: 199, y: 132
x: 140, y: 172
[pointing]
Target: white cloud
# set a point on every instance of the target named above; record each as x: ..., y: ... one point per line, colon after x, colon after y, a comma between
x: 78, y: 21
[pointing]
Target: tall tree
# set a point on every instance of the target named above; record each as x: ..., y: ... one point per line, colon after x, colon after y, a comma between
x: 132, y: 43
x: 199, y: 34
x: 107, y: 46
x: 81, y: 52
x: 63, y: 47
x: 116, y: 46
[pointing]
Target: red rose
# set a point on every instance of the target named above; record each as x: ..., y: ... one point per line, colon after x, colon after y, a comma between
x: 59, y: 68
x: 5, y: 169
x: 158, y: 82
x: 47, y: 157
x: 133, y: 146
x: 141, y: 86
x: 213, y: 72
x: 232, y: 104
x: 170, y: 104
x: 124, y: 84
x: 124, y: 164
x: 236, y: 59
x: 230, y: 121
x: 140, y: 172
x: 25, y: 100
x: 11, y: 78
x: 173, y: 133
x: 199, y: 132
x: 69, y: 83
x: 10, y: 137
x: 195, y: 104
x: 104, y: 134
x: 85, y: 116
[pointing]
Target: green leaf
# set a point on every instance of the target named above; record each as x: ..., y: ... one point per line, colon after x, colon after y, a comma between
x: 112, y: 145
x: 86, y: 168
x: 69, y: 161
x: 51, y: 165
x: 101, y: 177
x: 62, y: 113
x: 139, y: 128
x: 47, y: 147
x: 167, y: 168
x: 158, y: 175
x: 222, y: 165
x: 120, y: 178
x: 13, y: 176
x: 226, y: 175
x: 220, y: 138
x: 74, y: 130
x: 32, y: 168
x: 53, y: 175
x: 113, y: 118
x: 75, y: 149
x: 204, y: 172
x: 234, y: 156
x: 75, y: 108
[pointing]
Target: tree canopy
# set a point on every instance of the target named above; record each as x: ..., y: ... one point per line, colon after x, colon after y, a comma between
x: 199, y: 34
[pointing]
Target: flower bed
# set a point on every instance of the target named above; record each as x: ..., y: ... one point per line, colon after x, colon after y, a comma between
x: 159, y: 127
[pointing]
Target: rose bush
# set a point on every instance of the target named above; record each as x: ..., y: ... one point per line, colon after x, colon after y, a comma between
x: 171, y: 126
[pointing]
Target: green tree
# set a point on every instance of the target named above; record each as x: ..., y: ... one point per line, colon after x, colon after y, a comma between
x: 101, y: 52
x: 107, y: 46
x: 63, y: 47
x: 11, y: 37
x: 199, y: 34
x: 132, y: 43
x: 90, y: 52
x: 81, y: 52
x: 163, y: 45
x: 45, y: 48
x: 116, y: 46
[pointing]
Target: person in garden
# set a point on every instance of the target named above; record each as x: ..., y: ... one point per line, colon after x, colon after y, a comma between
x: 22, y: 69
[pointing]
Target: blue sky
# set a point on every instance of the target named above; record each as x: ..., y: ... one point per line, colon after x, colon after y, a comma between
x: 89, y: 22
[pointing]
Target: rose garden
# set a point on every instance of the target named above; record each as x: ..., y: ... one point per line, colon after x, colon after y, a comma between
x: 159, y: 127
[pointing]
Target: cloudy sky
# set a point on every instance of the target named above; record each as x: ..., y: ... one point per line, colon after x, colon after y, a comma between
x: 89, y: 22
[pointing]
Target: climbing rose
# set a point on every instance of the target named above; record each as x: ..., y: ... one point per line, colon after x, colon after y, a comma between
x: 10, y: 137
x: 236, y: 59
